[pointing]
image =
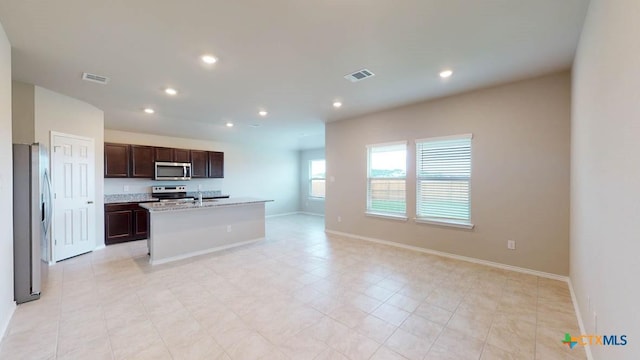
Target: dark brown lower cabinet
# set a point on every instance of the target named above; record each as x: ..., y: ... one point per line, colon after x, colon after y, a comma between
x: 140, y: 223
x: 125, y: 222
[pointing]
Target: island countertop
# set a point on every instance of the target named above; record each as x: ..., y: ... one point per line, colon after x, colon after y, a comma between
x: 208, y: 203
x: 147, y: 197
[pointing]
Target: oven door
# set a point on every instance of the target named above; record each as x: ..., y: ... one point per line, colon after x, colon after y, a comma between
x: 172, y: 171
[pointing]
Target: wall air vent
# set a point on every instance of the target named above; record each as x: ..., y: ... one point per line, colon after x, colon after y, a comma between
x: 359, y: 75
x: 95, y: 78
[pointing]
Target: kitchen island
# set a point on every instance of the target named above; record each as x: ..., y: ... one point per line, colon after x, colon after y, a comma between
x: 182, y: 230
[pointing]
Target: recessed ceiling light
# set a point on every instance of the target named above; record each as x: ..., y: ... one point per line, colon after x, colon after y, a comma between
x: 171, y: 91
x: 229, y: 124
x: 209, y: 59
x: 446, y: 73
x: 262, y: 113
x: 149, y: 110
x: 337, y: 104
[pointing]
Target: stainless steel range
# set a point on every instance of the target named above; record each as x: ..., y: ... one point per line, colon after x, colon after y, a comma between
x: 176, y: 193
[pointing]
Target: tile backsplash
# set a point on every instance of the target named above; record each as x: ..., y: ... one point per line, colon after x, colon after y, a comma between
x: 138, y: 186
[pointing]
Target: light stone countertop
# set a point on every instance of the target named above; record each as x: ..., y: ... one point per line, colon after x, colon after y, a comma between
x: 209, y: 203
x: 128, y: 198
x: 142, y: 197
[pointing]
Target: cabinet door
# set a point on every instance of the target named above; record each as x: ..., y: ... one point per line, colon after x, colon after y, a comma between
x: 199, y: 164
x: 116, y: 160
x: 216, y: 164
x: 118, y: 226
x: 181, y: 155
x: 140, y: 223
x: 164, y: 154
x: 142, y: 161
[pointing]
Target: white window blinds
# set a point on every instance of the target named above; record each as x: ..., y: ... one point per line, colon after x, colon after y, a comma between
x: 443, y: 174
x: 386, y: 179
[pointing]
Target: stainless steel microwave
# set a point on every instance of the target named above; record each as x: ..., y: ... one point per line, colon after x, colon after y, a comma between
x: 172, y: 171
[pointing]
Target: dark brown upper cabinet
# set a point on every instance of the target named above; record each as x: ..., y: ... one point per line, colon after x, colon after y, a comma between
x: 164, y: 154
x: 199, y: 164
x: 142, y: 161
x: 116, y: 160
x: 181, y: 155
x: 216, y: 164
x: 124, y: 160
x: 172, y: 155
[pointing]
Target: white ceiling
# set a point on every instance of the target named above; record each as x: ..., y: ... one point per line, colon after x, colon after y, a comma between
x: 287, y: 56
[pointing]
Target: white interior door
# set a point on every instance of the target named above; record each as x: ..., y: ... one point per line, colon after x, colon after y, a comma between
x: 73, y: 180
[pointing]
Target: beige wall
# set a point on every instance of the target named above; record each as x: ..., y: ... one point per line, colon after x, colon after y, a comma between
x: 63, y: 114
x: 249, y: 171
x: 308, y: 204
x: 40, y: 111
x: 7, y: 305
x: 23, y: 113
x: 605, y: 175
x: 520, y: 182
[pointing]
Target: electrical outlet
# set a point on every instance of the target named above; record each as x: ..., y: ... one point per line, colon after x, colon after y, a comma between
x: 125, y: 188
x: 511, y: 244
x: 339, y: 218
x: 228, y: 228
x: 595, y: 323
x: 332, y: 179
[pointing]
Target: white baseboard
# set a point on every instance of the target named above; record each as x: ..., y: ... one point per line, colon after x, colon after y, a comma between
x: 574, y: 299
x: 294, y: 213
x: 310, y: 213
x: 454, y: 256
x: 283, y: 214
x: 5, y: 324
x: 100, y: 247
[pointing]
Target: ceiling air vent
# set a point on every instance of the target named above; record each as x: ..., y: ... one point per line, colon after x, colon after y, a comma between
x: 359, y: 75
x: 95, y: 78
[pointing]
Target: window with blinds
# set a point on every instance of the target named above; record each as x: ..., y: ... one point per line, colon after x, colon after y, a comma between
x: 386, y: 179
x: 443, y: 176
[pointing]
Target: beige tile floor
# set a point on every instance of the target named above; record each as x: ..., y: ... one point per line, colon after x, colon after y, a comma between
x: 297, y: 295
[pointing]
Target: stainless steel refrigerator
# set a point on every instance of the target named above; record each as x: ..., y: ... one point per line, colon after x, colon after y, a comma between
x: 32, y: 208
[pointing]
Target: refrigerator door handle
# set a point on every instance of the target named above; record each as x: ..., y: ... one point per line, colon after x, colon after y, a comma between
x: 49, y: 201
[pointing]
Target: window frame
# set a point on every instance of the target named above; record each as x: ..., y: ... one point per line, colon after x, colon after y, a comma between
x: 385, y: 214
x: 443, y: 220
x: 311, y: 179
